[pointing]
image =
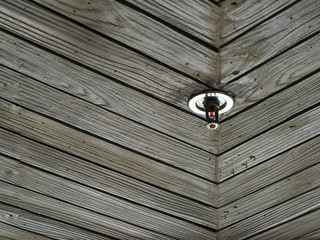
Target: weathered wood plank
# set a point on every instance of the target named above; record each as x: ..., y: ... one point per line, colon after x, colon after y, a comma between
x: 272, y: 217
x: 294, y: 229
x: 270, y: 196
x: 69, y: 77
x: 41, y: 182
x: 143, y: 33
x: 96, y: 52
x: 36, y: 223
x: 268, y: 145
x: 241, y: 15
x: 269, y: 39
x: 202, y: 23
x: 270, y: 112
x: 105, y: 154
x: 270, y: 171
x: 315, y: 235
x: 8, y: 232
x: 275, y: 75
x: 78, y: 216
x: 103, y: 179
x: 107, y: 125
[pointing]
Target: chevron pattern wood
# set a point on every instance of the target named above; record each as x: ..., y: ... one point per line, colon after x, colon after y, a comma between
x: 97, y: 141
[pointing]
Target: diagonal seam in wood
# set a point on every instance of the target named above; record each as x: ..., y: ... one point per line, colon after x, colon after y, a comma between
x: 297, y: 122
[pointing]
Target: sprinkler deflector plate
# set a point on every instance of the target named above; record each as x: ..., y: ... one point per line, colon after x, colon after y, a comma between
x: 196, y: 105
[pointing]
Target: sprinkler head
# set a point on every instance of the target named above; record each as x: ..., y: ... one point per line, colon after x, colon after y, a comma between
x: 210, y: 104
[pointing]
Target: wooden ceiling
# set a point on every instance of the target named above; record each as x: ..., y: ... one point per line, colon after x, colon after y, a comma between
x: 97, y: 141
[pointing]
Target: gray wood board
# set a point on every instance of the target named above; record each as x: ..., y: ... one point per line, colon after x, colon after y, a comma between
x: 68, y: 191
x: 101, y: 91
x: 199, y: 18
x: 275, y: 75
x: 8, y: 232
x: 143, y: 33
x: 65, y: 212
x: 105, y: 180
x: 270, y: 171
x: 269, y: 144
x: 315, y: 235
x: 270, y: 196
x: 270, y: 112
x: 51, y: 228
x: 242, y: 15
x: 269, y: 39
x: 93, y: 149
x: 273, y: 216
x: 293, y: 229
x: 107, y: 125
x: 96, y: 52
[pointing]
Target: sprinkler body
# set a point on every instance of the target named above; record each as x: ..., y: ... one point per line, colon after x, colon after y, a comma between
x: 211, y: 106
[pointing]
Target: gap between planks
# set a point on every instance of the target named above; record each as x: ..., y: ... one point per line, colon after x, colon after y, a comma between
x: 93, y: 149
x: 269, y: 172
x: 8, y: 232
x: 28, y: 221
x: 105, y: 180
x: 291, y: 133
x: 59, y: 210
x: 98, y: 54
x: 270, y: 78
x: 270, y: 196
x: 293, y: 229
x: 105, y: 93
x: 272, y: 217
x: 128, y: 26
x: 293, y: 25
x: 105, y: 125
x: 242, y: 16
x: 200, y: 25
x: 103, y: 204
x: 271, y: 112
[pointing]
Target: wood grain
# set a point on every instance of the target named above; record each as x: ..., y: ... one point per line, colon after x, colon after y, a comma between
x: 107, y: 125
x: 268, y: 145
x: 273, y: 216
x: 8, y: 232
x: 310, y: 236
x: 96, y: 52
x: 142, y: 33
x: 242, y: 15
x: 202, y: 23
x: 80, y: 217
x: 270, y: 171
x: 275, y: 75
x: 270, y: 112
x: 103, y: 179
x: 29, y: 221
x: 41, y: 182
x: 269, y: 39
x: 96, y: 150
x: 102, y: 91
x: 293, y: 229
x: 270, y: 196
